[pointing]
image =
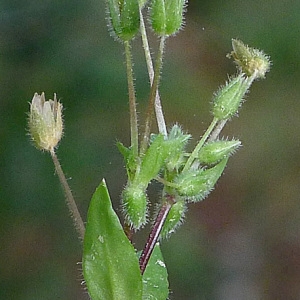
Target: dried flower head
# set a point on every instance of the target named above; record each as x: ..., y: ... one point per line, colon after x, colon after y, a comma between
x: 251, y: 61
x: 45, y: 122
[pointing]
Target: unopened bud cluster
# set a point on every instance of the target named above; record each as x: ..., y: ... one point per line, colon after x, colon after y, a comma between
x: 166, y: 17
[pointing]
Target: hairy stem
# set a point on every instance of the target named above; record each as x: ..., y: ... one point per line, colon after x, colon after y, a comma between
x: 152, y: 96
x: 154, y: 234
x: 195, y: 152
x: 69, y: 197
x: 214, y: 135
x: 158, y: 107
x: 132, y: 100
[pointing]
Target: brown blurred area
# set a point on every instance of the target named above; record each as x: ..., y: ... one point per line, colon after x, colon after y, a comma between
x: 243, y: 241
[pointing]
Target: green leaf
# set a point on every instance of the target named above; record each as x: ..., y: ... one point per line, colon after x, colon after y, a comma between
x: 129, y: 159
x: 195, y: 185
x: 152, y: 161
x: 155, y: 278
x: 110, y: 265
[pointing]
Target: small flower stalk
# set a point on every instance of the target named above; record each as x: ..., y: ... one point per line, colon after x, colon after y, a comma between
x: 45, y: 122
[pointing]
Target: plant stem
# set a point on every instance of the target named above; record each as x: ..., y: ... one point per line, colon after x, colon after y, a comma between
x: 158, y: 107
x: 69, y: 197
x: 214, y: 135
x: 132, y: 100
x: 152, y: 96
x: 154, y: 234
x: 194, y: 154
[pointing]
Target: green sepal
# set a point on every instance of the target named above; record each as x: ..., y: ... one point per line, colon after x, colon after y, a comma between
x: 177, y: 141
x: 213, y: 152
x: 135, y: 205
x: 110, y: 265
x: 129, y: 159
x: 195, y: 185
x: 152, y: 161
x: 228, y: 99
x: 166, y: 16
x: 155, y: 277
x: 174, y: 218
x: 124, y: 18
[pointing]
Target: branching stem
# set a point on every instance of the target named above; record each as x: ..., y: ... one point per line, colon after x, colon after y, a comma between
x: 158, y: 107
x: 195, y: 152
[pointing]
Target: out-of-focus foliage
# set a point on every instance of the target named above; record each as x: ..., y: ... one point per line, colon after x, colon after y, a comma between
x: 243, y: 241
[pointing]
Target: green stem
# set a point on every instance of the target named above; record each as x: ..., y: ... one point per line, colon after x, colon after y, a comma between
x: 69, y: 197
x: 132, y: 100
x: 195, y: 152
x: 158, y: 107
x: 152, y: 96
x: 214, y: 135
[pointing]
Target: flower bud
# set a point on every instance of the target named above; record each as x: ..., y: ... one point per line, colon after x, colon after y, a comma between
x: 228, y: 99
x: 135, y: 206
x: 176, y: 142
x: 45, y: 122
x: 124, y: 17
x: 174, y: 218
x: 195, y: 185
x: 213, y: 152
x: 152, y: 161
x: 167, y: 16
x: 252, y: 62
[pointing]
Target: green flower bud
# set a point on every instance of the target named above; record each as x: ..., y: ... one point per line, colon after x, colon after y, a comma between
x: 195, y: 185
x: 252, y: 62
x: 152, y: 161
x: 228, y: 99
x: 167, y: 16
x: 124, y: 17
x: 135, y: 206
x: 45, y: 122
x: 213, y: 152
x: 176, y: 142
x: 174, y: 218
x: 129, y: 159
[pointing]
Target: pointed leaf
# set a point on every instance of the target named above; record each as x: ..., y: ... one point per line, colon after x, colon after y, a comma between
x: 110, y: 264
x: 155, y: 278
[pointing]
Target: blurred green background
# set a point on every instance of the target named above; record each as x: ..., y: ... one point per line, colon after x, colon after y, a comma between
x: 243, y: 242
